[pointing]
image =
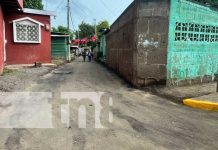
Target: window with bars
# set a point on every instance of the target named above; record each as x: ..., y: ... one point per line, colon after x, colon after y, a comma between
x: 27, y: 30
x: 196, y: 32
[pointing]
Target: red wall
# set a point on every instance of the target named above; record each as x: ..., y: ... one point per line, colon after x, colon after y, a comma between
x: 22, y: 53
x: 1, y: 42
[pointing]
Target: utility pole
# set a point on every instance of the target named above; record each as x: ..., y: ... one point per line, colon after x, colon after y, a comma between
x: 95, y: 28
x: 78, y: 38
x: 68, y: 15
x: 46, y: 4
x: 68, y: 28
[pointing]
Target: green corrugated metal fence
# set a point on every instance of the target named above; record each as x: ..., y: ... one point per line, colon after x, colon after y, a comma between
x: 60, y: 48
x: 103, y: 47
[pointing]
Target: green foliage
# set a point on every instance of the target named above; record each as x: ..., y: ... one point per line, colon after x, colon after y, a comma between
x: 62, y: 29
x: 33, y: 4
x: 86, y: 30
x: 102, y: 25
x: 9, y: 72
x: 91, y: 44
x: 58, y: 62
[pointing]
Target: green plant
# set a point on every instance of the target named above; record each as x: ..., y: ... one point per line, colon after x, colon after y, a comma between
x: 58, y: 62
x: 33, y: 4
x: 9, y: 72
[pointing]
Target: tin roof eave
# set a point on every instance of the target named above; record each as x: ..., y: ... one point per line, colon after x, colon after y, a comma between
x: 39, y: 12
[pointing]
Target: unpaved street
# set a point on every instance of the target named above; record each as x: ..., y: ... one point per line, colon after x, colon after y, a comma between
x: 140, y: 120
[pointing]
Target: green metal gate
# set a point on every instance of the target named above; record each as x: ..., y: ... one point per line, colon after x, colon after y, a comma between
x: 60, y: 47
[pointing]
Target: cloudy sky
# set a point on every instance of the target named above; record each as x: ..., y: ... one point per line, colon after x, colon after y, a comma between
x: 86, y: 10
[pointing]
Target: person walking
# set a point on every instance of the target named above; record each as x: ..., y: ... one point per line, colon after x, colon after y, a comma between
x: 84, y: 55
x: 90, y: 55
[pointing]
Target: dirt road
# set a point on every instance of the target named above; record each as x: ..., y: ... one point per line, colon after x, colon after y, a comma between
x: 141, y: 121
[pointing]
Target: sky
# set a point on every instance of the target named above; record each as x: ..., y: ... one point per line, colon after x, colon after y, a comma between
x: 86, y: 10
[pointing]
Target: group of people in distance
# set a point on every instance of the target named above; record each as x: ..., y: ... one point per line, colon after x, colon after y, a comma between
x: 88, y: 54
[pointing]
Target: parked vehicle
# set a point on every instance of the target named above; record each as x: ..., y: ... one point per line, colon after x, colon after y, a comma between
x: 75, y: 50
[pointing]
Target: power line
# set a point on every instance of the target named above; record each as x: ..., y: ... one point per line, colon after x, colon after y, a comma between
x: 71, y: 19
x: 46, y: 4
x: 68, y: 15
x: 81, y: 9
x: 122, y: 7
x: 58, y: 6
x: 106, y: 6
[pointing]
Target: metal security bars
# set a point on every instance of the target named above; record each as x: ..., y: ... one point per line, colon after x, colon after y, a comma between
x: 196, y: 32
x: 28, y: 33
x: 27, y: 30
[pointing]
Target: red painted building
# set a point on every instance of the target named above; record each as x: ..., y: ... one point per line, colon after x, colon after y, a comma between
x: 6, y: 6
x: 1, y: 41
x: 25, y: 36
x: 27, y: 52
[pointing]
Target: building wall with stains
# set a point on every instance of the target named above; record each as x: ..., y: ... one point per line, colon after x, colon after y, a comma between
x: 152, y: 40
x: 120, y: 46
x: 193, y: 43
x: 137, y: 42
x: 1, y: 41
x: 24, y: 53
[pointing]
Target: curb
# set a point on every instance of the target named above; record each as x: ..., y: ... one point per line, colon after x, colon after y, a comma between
x: 203, y: 105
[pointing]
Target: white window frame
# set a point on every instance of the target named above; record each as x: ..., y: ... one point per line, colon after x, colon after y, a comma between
x: 31, y: 20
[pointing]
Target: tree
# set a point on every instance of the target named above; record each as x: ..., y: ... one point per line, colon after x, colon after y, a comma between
x: 102, y: 25
x: 86, y: 30
x: 33, y: 4
x: 62, y: 29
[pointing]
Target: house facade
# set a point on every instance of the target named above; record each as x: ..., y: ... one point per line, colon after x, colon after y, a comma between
x: 1, y: 40
x: 6, y: 5
x: 25, y: 36
x: 170, y: 41
x: 28, y: 37
x: 193, y: 43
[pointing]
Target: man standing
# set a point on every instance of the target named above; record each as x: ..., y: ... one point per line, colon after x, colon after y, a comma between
x: 90, y: 55
x: 84, y: 55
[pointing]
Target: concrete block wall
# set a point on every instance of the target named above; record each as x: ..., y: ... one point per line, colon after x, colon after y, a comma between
x: 155, y: 40
x: 152, y: 40
x: 121, y: 44
x: 137, y: 42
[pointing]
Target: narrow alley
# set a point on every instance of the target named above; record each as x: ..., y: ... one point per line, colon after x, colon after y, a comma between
x: 140, y: 120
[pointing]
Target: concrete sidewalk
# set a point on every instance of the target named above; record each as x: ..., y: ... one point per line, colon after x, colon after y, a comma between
x: 28, y: 66
x: 178, y: 94
x: 206, y: 102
